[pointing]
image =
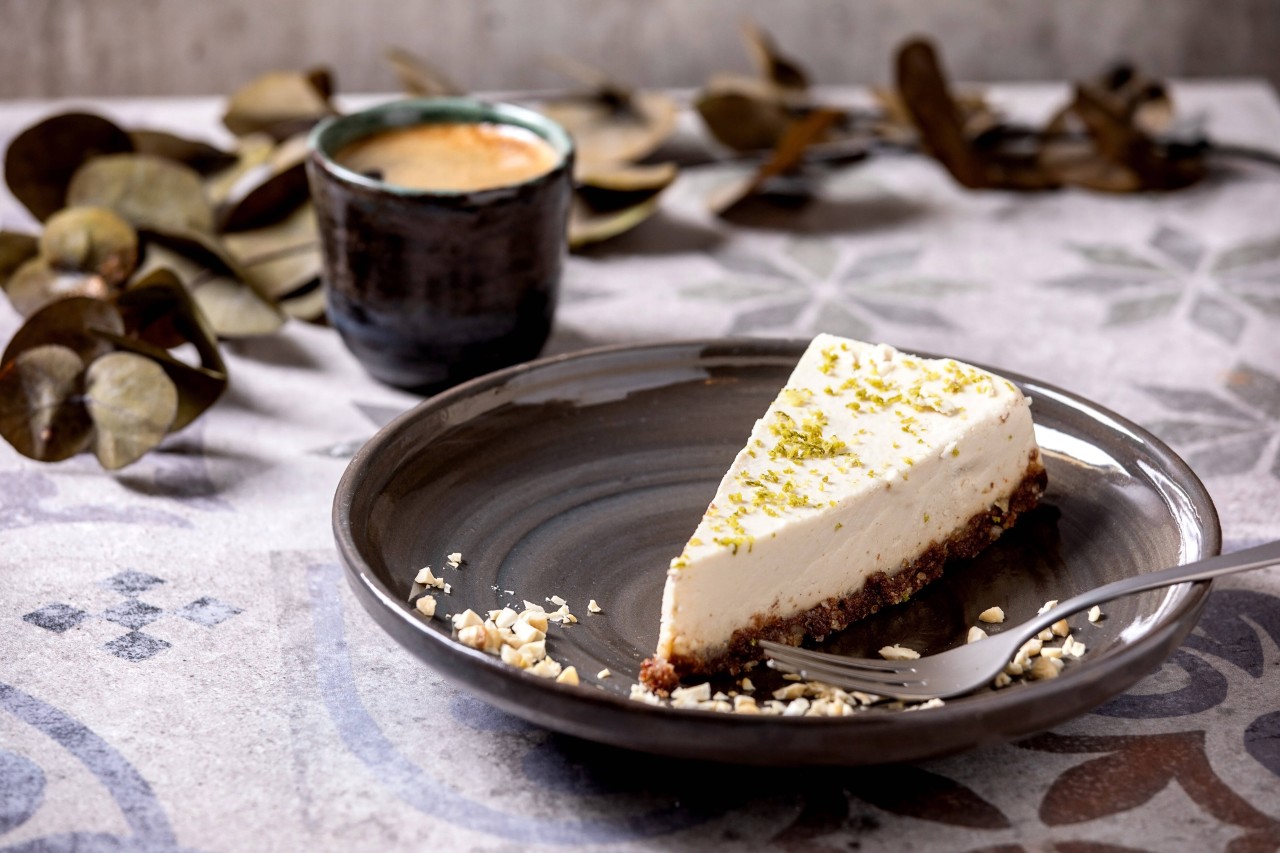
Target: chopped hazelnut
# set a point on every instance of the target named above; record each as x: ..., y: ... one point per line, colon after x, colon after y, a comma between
x: 546, y: 668
x: 976, y: 634
x: 1060, y: 628
x: 568, y: 675
x: 466, y: 619
x: 897, y: 652
x: 505, y: 618
x: 991, y: 614
x: 1045, y: 668
x: 426, y: 605
x: 697, y: 693
x: 790, y: 692
x: 472, y: 635
x: 592, y: 607
x: 604, y: 673
x: 526, y: 633
x: 1095, y: 613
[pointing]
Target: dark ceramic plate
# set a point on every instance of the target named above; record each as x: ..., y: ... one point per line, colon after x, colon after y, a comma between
x: 582, y: 475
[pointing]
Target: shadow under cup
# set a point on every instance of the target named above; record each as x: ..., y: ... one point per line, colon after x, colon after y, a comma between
x: 432, y: 287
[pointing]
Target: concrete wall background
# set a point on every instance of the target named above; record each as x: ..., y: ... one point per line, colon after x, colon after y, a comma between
x: 159, y: 47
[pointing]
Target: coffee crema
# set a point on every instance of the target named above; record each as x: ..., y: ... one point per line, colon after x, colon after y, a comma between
x: 453, y: 156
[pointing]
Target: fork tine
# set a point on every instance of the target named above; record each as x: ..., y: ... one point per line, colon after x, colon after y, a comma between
x: 777, y: 650
x: 828, y: 672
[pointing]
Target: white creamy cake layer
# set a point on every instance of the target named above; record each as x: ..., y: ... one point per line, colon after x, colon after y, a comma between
x: 866, y: 459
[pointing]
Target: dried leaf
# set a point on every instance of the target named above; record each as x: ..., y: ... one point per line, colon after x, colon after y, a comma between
x: 281, y: 258
x: 92, y: 240
x: 923, y: 89
x: 307, y: 304
x: 779, y: 70
x: 786, y: 157
x: 280, y: 104
x: 41, y: 413
x: 132, y: 403
x: 607, y: 189
x: 35, y: 284
x: 896, y: 125
x: 975, y: 162
x: 148, y: 191
x: 268, y: 193
x: 160, y: 314
x: 743, y: 113
x: 587, y: 226
x: 1122, y: 144
x: 418, y: 77
x: 200, y: 156
x: 613, y: 124
x: 73, y: 323
x: 41, y: 160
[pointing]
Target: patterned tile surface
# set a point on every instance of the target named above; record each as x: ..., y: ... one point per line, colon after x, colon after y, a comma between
x: 182, y: 667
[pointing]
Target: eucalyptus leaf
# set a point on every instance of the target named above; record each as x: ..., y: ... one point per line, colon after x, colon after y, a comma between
x: 786, y: 158
x: 307, y: 303
x: 41, y: 404
x: 270, y: 192
x: 93, y: 240
x: 74, y: 323
x: 607, y: 131
x: 40, y: 161
x: 148, y: 191
x: 587, y: 226
x: 418, y: 77
x: 612, y: 188
x: 132, y: 403
x: 234, y: 309
x: 280, y: 104
x: 160, y: 314
x: 251, y: 152
x: 200, y: 156
x: 780, y: 70
x: 35, y: 284
x: 232, y: 305
x: 280, y: 258
x: 16, y: 249
x: 205, y: 250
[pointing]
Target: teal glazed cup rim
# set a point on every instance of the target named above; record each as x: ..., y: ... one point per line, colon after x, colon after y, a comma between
x: 336, y: 132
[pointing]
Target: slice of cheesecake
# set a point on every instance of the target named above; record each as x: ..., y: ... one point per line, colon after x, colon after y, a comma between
x: 868, y: 472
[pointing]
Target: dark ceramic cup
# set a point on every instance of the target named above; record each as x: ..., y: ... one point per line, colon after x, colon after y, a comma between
x: 431, y: 287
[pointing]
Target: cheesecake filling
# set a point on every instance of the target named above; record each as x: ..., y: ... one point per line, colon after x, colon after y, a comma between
x: 870, y: 464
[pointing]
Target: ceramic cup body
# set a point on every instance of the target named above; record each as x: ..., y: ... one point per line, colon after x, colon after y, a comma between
x: 431, y: 287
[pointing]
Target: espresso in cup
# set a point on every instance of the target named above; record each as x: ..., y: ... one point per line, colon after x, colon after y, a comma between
x: 443, y: 223
x: 451, y: 156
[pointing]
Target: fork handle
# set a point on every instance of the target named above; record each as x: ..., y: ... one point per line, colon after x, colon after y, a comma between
x: 1201, y: 570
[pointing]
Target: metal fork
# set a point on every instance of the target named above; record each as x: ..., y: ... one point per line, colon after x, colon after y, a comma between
x: 975, y: 665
